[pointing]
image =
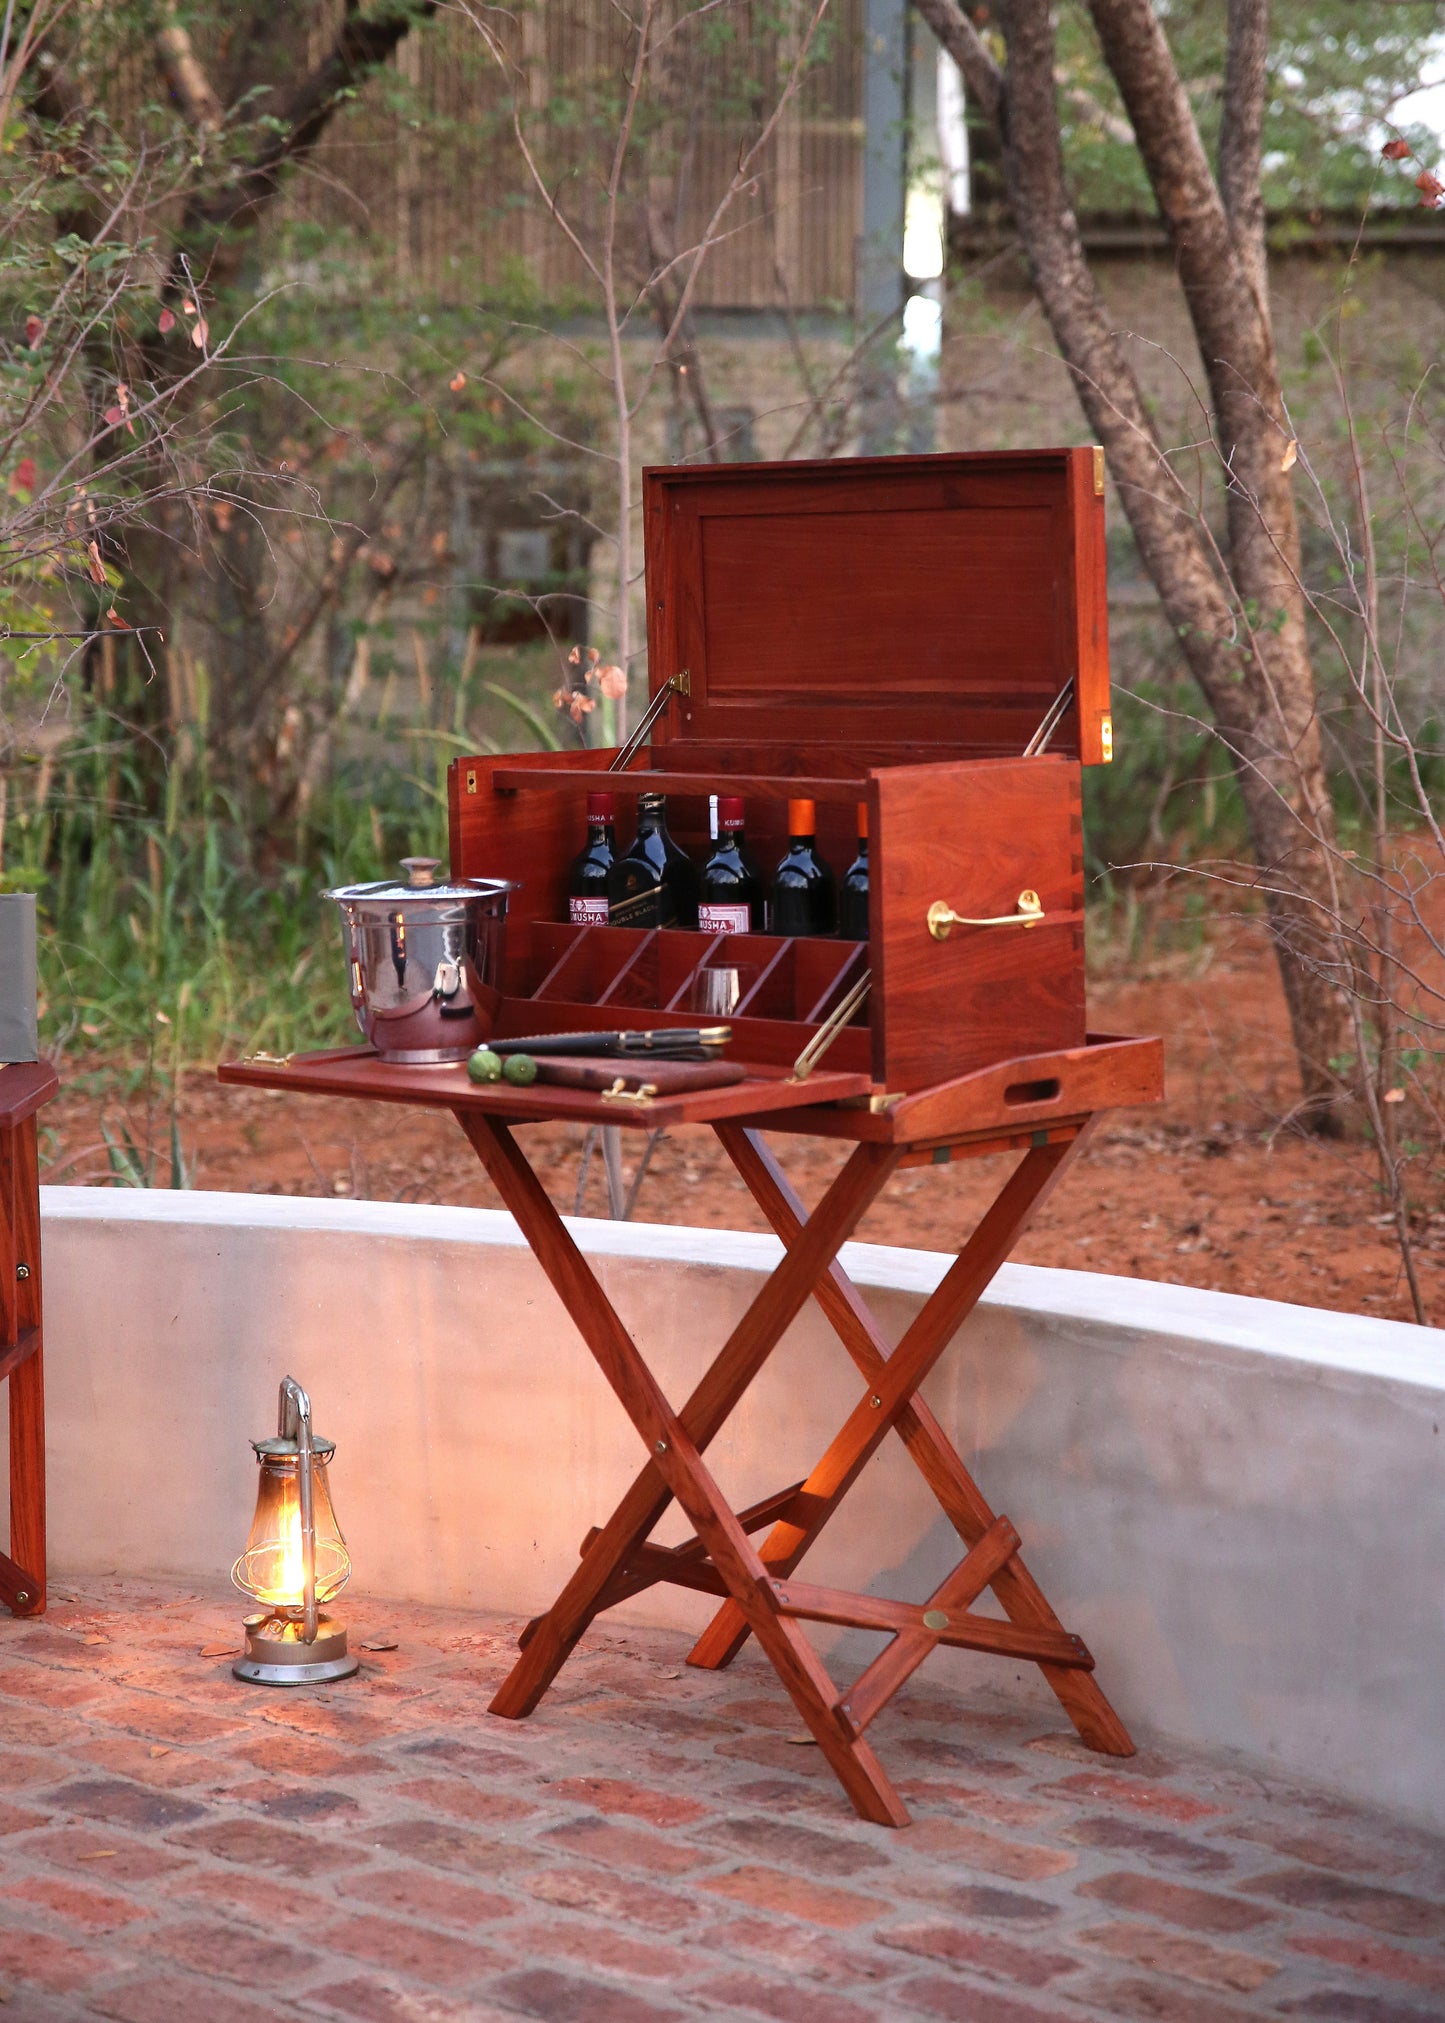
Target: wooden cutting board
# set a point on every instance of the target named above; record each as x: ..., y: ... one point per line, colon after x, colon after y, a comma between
x: 668, y: 1078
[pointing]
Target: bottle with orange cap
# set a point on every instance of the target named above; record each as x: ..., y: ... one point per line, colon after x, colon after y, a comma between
x: 853, y: 887
x: 805, y: 892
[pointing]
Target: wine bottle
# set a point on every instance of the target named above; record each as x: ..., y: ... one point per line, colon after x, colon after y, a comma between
x: 732, y: 888
x: 853, y: 889
x: 656, y: 883
x: 805, y: 894
x: 587, y: 881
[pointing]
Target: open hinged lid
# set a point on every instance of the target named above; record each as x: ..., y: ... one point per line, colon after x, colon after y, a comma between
x: 879, y: 609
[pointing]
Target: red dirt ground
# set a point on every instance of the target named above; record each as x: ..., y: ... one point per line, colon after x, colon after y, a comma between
x: 1208, y: 1190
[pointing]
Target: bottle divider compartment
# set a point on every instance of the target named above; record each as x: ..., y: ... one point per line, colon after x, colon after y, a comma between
x: 795, y: 979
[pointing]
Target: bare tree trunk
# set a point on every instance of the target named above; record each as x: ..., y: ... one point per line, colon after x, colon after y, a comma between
x: 1238, y: 616
x: 1273, y: 726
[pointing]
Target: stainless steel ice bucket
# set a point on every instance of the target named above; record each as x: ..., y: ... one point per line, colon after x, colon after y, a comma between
x: 425, y: 960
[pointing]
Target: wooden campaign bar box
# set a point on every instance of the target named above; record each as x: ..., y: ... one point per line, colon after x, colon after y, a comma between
x: 888, y: 632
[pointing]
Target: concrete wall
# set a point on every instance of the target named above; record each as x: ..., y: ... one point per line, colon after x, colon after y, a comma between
x: 1238, y: 1504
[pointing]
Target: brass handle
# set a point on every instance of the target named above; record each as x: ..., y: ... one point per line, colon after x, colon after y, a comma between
x: 941, y: 916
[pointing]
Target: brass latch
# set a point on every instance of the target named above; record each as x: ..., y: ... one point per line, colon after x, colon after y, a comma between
x: 942, y: 918
x: 620, y: 1093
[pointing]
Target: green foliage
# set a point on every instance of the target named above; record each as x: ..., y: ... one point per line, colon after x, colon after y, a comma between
x: 195, y: 926
x: 1336, y: 70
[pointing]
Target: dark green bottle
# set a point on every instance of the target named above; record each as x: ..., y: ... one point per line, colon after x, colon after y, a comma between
x: 805, y: 892
x: 656, y: 883
x: 732, y: 890
x: 587, y: 884
x: 853, y: 890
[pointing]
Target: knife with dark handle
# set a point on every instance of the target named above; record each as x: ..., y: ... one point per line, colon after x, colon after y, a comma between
x: 678, y: 1043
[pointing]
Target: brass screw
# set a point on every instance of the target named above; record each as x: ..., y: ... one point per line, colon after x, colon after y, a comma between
x: 22, y: 1595
x: 22, y: 1271
x: 661, y: 1447
x: 875, y: 1401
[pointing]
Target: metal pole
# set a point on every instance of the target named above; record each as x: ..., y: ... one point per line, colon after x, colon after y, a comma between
x: 879, y: 279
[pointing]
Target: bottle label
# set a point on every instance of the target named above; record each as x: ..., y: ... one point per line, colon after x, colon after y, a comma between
x: 651, y: 907
x: 715, y: 919
x: 587, y: 912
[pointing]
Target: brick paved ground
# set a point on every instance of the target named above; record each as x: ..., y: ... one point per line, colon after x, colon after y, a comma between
x: 176, y: 1848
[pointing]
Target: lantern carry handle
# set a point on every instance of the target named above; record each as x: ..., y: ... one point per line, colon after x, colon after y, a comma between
x: 295, y: 1417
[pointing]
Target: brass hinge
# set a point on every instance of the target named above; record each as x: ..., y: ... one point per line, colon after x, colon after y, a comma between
x: 682, y: 681
x: 1098, y: 470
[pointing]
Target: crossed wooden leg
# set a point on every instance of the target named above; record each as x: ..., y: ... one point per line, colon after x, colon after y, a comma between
x: 676, y: 1467
x: 761, y: 1598
x: 895, y: 1378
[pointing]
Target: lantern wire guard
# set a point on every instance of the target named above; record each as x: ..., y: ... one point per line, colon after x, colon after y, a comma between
x: 295, y: 1559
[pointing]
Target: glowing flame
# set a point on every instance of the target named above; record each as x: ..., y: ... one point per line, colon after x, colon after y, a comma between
x: 272, y: 1567
x: 280, y: 1572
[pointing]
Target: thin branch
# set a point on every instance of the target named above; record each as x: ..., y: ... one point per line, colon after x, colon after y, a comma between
x: 971, y: 53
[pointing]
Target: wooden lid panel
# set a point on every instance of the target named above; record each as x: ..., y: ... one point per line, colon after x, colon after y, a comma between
x: 918, y: 606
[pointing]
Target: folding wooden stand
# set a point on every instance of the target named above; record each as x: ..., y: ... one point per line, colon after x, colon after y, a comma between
x: 755, y: 1583
x: 918, y: 644
x: 24, y: 1087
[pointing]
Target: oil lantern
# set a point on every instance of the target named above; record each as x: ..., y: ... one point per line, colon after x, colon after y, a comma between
x: 295, y: 1558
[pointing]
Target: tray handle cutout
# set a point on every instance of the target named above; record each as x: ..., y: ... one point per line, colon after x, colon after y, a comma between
x: 1020, y: 1093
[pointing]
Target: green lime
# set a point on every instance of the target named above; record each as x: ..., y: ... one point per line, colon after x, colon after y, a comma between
x: 520, y: 1069
x: 485, y: 1066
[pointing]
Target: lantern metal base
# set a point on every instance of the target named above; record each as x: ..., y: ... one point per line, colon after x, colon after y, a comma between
x: 276, y: 1656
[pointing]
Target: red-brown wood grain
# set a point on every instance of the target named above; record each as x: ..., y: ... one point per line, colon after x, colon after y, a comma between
x: 360, y: 1073
x: 530, y: 837
x: 1091, y: 608
x: 1034, y: 1090
x: 927, y: 1446
x: 972, y: 833
x: 932, y: 604
x: 975, y: 836
x: 843, y: 628
x: 1006, y: 1105
x: 23, y: 1088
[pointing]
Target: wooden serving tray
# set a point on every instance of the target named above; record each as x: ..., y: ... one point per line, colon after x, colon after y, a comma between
x: 357, y: 1071
x: 1010, y: 1104
x: 1006, y: 1106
